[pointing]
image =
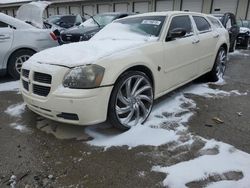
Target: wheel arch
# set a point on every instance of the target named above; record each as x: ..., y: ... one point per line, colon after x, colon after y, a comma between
x: 16, y: 50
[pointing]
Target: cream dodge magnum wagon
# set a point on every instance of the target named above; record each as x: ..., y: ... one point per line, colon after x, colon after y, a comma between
x: 119, y: 72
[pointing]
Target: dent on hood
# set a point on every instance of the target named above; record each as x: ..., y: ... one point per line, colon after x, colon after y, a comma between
x: 33, y: 13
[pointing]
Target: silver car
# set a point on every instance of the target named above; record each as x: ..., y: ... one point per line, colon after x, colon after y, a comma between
x: 21, y: 38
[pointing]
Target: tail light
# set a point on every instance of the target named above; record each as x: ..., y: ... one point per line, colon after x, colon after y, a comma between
x: 53, y: 36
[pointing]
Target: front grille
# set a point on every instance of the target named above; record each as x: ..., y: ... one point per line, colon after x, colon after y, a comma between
x: 42, y: 77
x: 41, y: 90
x: 70, y: 38
x: 26, y: 85
x: 25, y: 73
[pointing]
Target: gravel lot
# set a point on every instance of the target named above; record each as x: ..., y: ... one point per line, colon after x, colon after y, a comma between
x: 43, y: 153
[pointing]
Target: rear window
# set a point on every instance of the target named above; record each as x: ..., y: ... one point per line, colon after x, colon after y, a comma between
x: 215, y: 22
x: 202, y: 24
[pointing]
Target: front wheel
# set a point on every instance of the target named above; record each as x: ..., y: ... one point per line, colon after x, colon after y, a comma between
x: 16, y: 61
x: 131, y: 100
x: 219, y: 66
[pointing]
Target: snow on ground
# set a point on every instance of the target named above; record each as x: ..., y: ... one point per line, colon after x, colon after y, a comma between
x: 19, y: 127
x: 227, y: 160
x: 15, y: 110
x: 9, y: 86
x: 238, y: 53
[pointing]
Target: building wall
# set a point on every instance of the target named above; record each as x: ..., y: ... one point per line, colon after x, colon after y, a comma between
x: 243, y: 9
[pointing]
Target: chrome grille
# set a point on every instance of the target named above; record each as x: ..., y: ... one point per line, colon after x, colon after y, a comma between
x: 41, y: 90
x: 42, y: 77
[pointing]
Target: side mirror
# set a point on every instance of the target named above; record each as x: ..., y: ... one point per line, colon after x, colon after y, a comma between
x: 78, y: 23
x: 176, y: 33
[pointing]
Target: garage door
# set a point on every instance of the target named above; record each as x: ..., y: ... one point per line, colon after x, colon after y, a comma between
x: 248, y: 14
x: 164, y: 5
x: 104, y: 8
x: 222, y: 6
x: 192, y: 5
x: 51, y: 11
x: 75, y: 10
x: 89, y: 9
x: 62, y: 10
x: 141, y: 7
x: 121, y: 7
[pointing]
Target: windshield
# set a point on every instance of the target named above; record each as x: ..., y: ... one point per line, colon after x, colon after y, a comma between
x: 243, y: 23
x: 102, y: 20
x: 133, y: 28
x: 65, y: 19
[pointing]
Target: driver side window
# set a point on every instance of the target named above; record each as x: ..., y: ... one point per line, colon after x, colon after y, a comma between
x: 181, y: 22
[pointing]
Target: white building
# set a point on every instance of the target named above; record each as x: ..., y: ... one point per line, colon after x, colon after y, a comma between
x: 239, y: 7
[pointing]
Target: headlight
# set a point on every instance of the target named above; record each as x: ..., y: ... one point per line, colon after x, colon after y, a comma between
x: 84, y: 77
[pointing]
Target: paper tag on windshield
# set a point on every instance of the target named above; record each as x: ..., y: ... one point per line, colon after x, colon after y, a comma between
x: 151, y: 22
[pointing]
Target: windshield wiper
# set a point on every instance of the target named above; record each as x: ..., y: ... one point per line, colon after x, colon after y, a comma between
x: 93, y: 19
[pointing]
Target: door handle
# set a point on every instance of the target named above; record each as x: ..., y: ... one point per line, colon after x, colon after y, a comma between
x: 195, y: 41
x: 4, y: 37
x: 216, y: 35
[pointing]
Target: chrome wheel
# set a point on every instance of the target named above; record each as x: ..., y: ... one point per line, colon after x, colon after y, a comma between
x: 221, y: 63
x: 134, y: 101
x: 19, y: 62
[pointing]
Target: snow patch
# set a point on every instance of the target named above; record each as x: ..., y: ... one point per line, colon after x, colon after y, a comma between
x: 9, y: 86
x: 16, y: 110
x: 19, y: 127
x: 228, y: 159
x: 238, y: 53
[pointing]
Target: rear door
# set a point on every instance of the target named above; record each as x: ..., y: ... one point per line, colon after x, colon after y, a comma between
x: 208, y: 38
x: 181, y: 54
x: 6, y: 38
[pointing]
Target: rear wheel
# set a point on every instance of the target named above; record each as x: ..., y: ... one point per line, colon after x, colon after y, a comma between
x: 219, y: 65
x: 16, y: 61
x: 131, y: 100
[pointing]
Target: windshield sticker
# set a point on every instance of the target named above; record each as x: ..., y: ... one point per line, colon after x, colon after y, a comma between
x: 151, y: 22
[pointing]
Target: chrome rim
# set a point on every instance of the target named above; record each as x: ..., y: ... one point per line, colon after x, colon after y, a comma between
x: 134, y: 101
x: 221, y: 63
x: 19, y: 62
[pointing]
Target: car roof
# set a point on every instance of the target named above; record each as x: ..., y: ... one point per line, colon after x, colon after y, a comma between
x: 168, y: 13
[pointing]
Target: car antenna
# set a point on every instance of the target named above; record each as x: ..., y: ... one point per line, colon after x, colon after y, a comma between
x: 92, y: 19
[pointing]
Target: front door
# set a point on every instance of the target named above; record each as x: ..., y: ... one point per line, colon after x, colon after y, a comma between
x: 181, y: 54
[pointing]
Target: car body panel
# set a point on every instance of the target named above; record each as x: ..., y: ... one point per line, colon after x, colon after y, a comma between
x: 171, y: 63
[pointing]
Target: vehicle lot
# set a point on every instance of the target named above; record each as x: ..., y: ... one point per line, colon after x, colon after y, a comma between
x: 44, y: 153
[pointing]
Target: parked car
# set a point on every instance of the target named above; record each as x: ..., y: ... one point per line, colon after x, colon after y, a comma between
x: 89, y: 28
x: 118, y: 73
x: 61, y: 22
x: 228, y: 20
x: 20, y: 40
x: 243, y: 38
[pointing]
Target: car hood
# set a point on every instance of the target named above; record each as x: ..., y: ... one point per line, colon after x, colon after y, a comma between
x: 80, y: 30
x: 33, y: 13
x: 244, y: 29
x: 82, y: 53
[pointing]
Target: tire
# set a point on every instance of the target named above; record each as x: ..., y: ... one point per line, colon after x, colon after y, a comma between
x: 233, y: 47
x: 131, y: 100
x: 16, y: 60
x: 245, y: 43
x: 219, y: 67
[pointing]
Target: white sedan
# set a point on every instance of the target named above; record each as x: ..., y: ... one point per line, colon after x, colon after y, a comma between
x: 20, y: 40
x: 123, y: 68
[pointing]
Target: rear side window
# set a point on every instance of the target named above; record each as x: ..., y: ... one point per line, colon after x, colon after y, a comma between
x: 2, y: 24
x: 202, y: 24
x: 215, y: 22
x: 183, y: 22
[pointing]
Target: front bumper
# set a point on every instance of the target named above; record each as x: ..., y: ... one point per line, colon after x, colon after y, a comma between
x: 73, y: 106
